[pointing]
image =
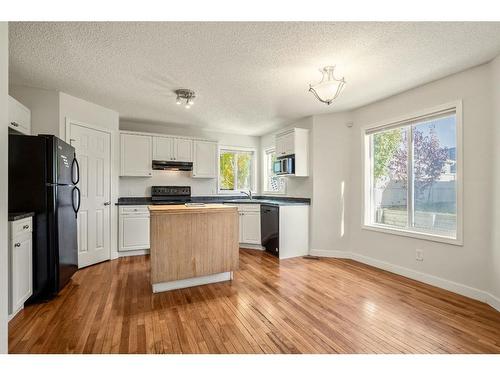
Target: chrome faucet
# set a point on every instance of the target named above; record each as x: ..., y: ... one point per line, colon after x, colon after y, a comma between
x: 249, y: 194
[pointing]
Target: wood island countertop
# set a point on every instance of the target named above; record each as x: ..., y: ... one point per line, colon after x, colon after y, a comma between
x: 192, y: 245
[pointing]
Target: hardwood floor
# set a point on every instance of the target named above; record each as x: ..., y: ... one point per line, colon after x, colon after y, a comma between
x: 288, y: 306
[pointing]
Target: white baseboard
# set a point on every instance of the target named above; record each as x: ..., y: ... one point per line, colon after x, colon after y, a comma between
x: 132, y: 253
x: 439, y: 282
x: 251, y: 246
x: 330, y: 253
x: 493, y: 301
x: 194, y: 281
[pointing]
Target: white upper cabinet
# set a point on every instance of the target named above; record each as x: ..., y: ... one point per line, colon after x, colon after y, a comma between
x: 295, y: 142
x: 19, y: 117
x: 205, y: 159
x: 183, y: 149
x: 163, y: 148
x: 170, y: 148
x: 285, y: 144
x: 136, y: 155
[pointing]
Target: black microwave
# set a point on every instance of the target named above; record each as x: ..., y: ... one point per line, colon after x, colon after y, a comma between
x: 284, y: 165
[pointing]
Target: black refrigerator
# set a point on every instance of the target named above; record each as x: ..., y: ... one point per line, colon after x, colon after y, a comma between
x: 43, y: 174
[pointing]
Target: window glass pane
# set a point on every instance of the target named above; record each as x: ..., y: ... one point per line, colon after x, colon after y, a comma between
x: 434, y: 176
x: 244, y: 161
x: 227, y: 169
x: 390, y: 177
x: 273, y: 183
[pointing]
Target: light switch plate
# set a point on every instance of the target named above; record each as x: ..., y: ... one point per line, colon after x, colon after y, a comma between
x: 419, y: 255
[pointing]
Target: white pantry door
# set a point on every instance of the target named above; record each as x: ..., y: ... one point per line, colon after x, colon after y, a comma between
x: 93, y: 152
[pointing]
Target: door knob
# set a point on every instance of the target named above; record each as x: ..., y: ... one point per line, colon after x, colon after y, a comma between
x: 107, y: 203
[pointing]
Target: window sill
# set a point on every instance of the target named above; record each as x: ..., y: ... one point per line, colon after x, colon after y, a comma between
x: 413, y: 234
x: 273, y: 193
x: 233, y: 192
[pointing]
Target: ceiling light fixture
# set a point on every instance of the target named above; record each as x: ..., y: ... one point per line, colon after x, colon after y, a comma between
x: 329, y: 87
x: 187, y: 95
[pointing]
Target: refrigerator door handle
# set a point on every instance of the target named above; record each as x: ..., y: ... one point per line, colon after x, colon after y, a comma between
x: 75, y: 163
x: 75, y: 208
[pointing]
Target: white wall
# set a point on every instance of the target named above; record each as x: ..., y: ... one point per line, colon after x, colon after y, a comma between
x: 301, y: 187
x: 465, y: 264
x: 495, y: 247
x: 330, y: 210
x: 44, y: 106
x: 141, y: 187
x: 4, y: 86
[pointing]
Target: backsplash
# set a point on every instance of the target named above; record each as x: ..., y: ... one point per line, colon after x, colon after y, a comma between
x: 141, y: 187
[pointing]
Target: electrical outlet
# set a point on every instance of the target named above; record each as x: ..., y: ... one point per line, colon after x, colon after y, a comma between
x: 419, y: 255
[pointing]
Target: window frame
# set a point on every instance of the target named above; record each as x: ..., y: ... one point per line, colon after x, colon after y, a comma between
x: 253, y: 173
x: 265, y: 171
x: 366, y: 191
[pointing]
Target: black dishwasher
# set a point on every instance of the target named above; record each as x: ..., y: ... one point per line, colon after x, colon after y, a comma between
x: 270, y: 228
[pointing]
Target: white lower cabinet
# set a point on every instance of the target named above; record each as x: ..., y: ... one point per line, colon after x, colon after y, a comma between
x: 20, y: 264
x: 133, y: 228
x: 250, y: 227
x: 249, y: 215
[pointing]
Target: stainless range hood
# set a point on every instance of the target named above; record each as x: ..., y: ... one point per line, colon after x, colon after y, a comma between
x: 168, y: 165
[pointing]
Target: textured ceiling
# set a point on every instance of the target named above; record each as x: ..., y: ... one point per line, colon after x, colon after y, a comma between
x: 249, y: 77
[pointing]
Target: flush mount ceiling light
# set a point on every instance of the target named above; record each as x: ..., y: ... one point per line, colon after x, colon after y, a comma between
x: 329, y: 87
x: 185, y: 95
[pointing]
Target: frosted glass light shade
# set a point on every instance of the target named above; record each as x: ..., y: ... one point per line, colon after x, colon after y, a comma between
x: 329, y: 87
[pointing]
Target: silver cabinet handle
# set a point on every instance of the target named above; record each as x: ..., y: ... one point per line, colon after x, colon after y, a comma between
x: 17, y: 244
x: 107, y: 203
x: 13, y: 123
x: 26, y: 227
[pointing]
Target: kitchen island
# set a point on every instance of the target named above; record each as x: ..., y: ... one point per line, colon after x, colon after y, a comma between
x: 192, y: 245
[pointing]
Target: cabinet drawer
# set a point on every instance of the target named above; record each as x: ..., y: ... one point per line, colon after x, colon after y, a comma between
x: 20, y: 227
x: 134, y: 210
x: 245, y: 207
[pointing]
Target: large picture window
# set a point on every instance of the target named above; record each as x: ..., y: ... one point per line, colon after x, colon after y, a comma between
x: 412, y: 175
x: 236, y: 170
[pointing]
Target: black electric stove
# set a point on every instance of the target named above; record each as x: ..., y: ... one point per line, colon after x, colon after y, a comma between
x: 170, y: 194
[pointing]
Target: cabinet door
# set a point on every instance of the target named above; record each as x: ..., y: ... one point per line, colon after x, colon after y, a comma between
x: 250, y: 227
x: 205, y: 159
x: 21, y: 265
x: 134, y: 232
x: 183, y: 149
x: 285, y: 144
x: 136, y: 155
x: 19, y: 116
x: 163, y: 148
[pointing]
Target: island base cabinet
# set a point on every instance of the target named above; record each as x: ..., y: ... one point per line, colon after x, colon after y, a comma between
x: 192, y: 245
x: 20, y: 265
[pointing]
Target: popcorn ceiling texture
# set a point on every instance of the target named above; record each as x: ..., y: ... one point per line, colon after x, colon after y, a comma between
x: 250, y: 78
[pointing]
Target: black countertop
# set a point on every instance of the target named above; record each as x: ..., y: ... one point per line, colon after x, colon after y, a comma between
x: 270, y: 200
x: 13, y: 216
